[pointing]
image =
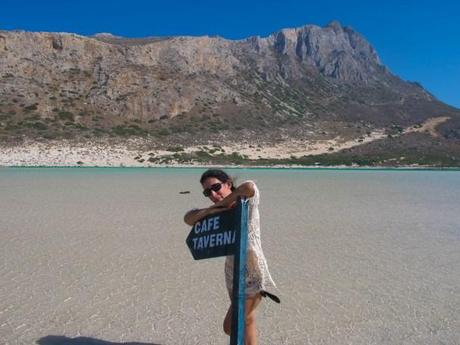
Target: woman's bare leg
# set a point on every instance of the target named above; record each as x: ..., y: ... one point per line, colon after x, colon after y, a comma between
x: 250, y: 330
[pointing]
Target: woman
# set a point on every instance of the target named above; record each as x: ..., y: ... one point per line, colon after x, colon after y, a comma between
x: 219, y: 188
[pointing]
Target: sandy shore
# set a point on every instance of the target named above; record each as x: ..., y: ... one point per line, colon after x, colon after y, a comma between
x: 91, y: 153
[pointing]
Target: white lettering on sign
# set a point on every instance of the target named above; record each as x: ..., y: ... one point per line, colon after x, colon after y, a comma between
x: 207, y: 225
x: 214, y: 240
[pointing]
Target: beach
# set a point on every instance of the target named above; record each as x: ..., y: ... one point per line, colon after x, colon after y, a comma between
x: 138, y: 152
x: 98, y: 255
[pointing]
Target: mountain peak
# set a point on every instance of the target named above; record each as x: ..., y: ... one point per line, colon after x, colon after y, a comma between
x: 105, y: 35
x: 333, y: 50
x: 335, y: 25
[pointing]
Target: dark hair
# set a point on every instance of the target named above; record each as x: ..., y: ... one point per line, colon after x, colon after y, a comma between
x: 218, y: 174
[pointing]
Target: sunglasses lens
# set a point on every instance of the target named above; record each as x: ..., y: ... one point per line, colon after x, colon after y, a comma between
x: 215, y: 188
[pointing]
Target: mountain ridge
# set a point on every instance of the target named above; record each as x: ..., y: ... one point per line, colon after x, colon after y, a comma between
x: 307, y: 83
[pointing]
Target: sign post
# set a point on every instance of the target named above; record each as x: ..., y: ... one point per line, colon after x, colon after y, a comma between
x: 222, y: 234
x: 239, y: 276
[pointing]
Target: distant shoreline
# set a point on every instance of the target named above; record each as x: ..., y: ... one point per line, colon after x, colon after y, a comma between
x: 137, y: 152
x: 247, y: 167
x: 287, y: 155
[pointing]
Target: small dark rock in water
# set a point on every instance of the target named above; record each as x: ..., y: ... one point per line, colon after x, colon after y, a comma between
x: 185, y: 192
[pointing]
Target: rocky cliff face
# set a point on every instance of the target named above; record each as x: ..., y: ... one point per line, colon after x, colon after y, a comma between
x: 296, y: 83
x: 335, y: 52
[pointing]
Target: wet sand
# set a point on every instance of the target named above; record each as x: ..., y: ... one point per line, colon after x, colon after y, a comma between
x: 98, y: 256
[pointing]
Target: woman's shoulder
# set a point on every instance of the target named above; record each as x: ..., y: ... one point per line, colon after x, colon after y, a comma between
x: 255, y: 197
x: 251, y: 182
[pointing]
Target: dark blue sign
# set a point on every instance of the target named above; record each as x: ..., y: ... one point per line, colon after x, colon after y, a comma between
x: 214, y: 235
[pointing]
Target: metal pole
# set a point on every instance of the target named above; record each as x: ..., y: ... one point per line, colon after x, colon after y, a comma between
x: 239, y: 275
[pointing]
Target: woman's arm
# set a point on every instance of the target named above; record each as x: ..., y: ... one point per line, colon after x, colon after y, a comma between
x: 244, y: 190
x: 193, y: 216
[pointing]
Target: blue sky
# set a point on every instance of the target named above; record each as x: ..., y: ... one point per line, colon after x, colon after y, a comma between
x: 417, y: 40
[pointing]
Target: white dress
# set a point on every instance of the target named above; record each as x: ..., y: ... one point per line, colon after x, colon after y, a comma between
x: 258, y: 278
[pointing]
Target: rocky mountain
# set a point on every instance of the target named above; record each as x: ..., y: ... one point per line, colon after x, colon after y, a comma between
x: 306, y: 84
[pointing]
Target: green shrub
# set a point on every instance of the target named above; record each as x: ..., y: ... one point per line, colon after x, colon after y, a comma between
x: 31, y: 107
x: 175, y: 149
x: 128, y: 131
x: 66, y: 115
x: 40, y: 126
x: 74, y: 70
x: 50, y: 136
x: 164, y: 132
x: 202, y: 154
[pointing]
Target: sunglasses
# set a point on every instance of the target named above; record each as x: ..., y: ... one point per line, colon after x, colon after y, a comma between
x: 214, y: 188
